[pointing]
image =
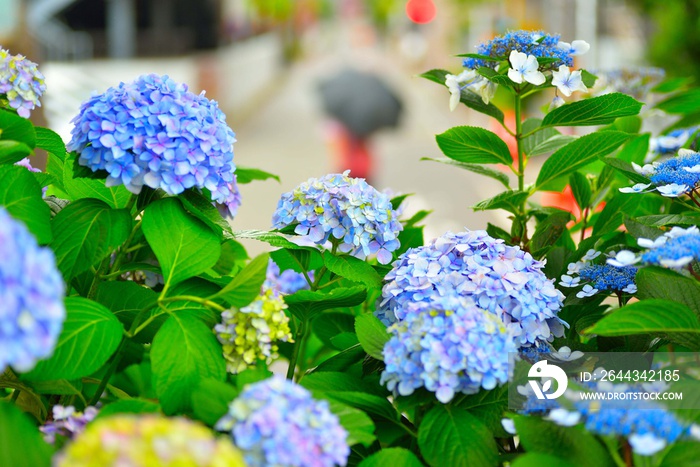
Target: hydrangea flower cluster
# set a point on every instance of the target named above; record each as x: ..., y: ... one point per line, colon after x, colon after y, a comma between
x: 670, y: 143
x: 249, y: 334
x: 154, y: 132
x: 501, y: 279
x: 448, y: 346
x: 148, y: 441
x: 21, y: 83
x: 347, y: 211
x: 599, y: 277
x: 675, y: 249
x: 277, y: 422
x: 635, y: 82
x: 31, y: 293
x: 67, y: 423
x: 673, y: 177
x: 647, y: 426
x: 286, y: 282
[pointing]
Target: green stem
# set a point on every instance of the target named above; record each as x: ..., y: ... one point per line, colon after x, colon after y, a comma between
x: 300, y: 336
x: 108, y: 374
x: 522, y: 161
x: 193, y: 298
x: 584, y: 223
x: 15, y: 395
x: 123, y: 250
x: 104, y: 266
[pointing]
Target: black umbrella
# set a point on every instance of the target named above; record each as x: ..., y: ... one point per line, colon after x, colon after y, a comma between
x: 360, y: 101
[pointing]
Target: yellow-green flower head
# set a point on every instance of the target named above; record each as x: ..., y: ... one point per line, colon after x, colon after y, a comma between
x: 148, y: 441
x: 250, y: 334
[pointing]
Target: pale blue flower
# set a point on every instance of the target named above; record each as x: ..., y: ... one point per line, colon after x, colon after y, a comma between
x: 567, y: 81
x: 637, y: 188
x: 524, y: 68
x: 673, y: 190
x: 21, y: 83
x: 577, y: 47
x: 615, y: 275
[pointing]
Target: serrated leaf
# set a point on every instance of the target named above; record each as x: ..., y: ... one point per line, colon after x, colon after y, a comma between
x: 128, y: 406
x: 391, y: 457
x: 184, y: 353
x: 625, y: 168
x: 614, y: 212
x: 126, y: 299
x: 578, y: 154
x: 473, y: 145
x: 13, y: 151
x: 90, y: 335
x: 352, y: 268
x: 305, y: 304
x: 581, y: 189
x: 85, y: 232
x: 372, y: 335
x: 247, y: 175
x: 673, y: 320
x: 476, y: 168
x: 203, y: 209
x: 272, y: 238
x: 552, y: 144
x: 328, y: 325
x: 661, y: 220
x: 509, y: 200
x: 50, y: 141
x: 359, y: 426
x: 211, y: 399
x: 588, y: 78
x: 468, y: 98
x: 495, y: 77
x: 20, y: 194
x: 21, y: 443
x: 246, y: 285
x: 184, y: 245
x: 16, y: 128
x: 599, y: 110
x: 661, y: 283
x: 548, y: 232
x: 77, y: 188
x: 454, y: 437
x: 682, y: 103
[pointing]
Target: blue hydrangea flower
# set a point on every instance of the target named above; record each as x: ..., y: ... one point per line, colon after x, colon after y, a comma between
x: 67, y: 422
x: 21, y: 83
x: 286, y: 282
x: 277, y: 422
x: 609, y: 276
x: 31, y: 293
x: 679, y: 248
x: 344, y: 210
x: 502, y: 279
x: 675, y: 176
x: 154, y: 132
x: 537, y: 43
x: 448, y: 346
x: 671, y: 142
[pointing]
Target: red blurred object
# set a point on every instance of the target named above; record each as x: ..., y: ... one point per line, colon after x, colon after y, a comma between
x: 420, y: 11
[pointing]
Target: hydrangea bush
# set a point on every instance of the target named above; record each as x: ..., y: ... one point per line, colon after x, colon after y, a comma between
x: 352, y: 340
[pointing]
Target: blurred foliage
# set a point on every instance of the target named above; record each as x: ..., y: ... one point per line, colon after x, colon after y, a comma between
x: 675, y: 41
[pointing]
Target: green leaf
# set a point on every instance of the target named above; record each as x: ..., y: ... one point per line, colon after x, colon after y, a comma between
x: 682, y: 103
x: 247, y: 175
x: 13, y: 151
x: 372, y: 335
x: 573, y: 444
x: 578, y: 154
x: 552, y: 144
x: 662, y: 283
x: 625, y: 168
x: 359, y: 426
x: 203, y: 209
x: 210, y: 400
x: 614, y: 212
x: 536, y: 459
x: 495, y: 77
x: 330, y: 382
x: 233, y: 258
x: 352, y: 268
x: 410, y: 237
x: 329, y: 325
x: 683, y: 453
x: 21, y: 195
x: 468, y: 98
x: 631, y: 124
x: 342, y: 360
x: 473, y: 145
x: 487, y: 406
x: 126, y: 299
x: 581, y: 189
x: 661, y: 220
x: 373, y: 405
x: 184, y: 245
x: 509, y: 200
x: 51, y: 142
x: 391, y: 457
x: 246, y: 285
x: 599, y: 110
x: 305, y: 304
x: 16, y: 128
x: 674, y: 320
x: 301, y: 260
x: 85, y: 232
x: 90, y: 335
x: 454, y: 437
x: 672, y: 84
x: 538, y: 136
x: 128, y: 406
x: 588, y: 78
x: 21, y: 443
x: 77, y: 188
x: 184, y: 352
x: 548, y: 232
x: 272, y: 238
x: 476, y: 168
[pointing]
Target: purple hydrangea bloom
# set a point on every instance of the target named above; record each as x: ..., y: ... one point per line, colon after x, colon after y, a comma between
x: 448, y: 346
x: 502, y: 279
x: 277, y: 422
x: 344, y: 210
x: 537, y: 43
x: 31, y: 293
x: 154, y: 132
x: 286, y: 282
x: 21, y: 83
x: 67, y: 422
x: 26, y: 163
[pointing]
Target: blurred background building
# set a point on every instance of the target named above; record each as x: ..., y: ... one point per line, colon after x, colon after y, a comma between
x: 263, y: 61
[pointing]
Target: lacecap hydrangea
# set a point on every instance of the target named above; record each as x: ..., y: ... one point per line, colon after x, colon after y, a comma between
x: 250, y: 334
x: 447, y: 345
x: 502, y: 279
x: 599, y: 277
x: 343, y: 210
x: 277, y: 422
x: 21, y: 83
x: 31, y: 293
x: 675, y: 249
x: 154, y: 132
x: 148, y: 441
x: 672, y: 177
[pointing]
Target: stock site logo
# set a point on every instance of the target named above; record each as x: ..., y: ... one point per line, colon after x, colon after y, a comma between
x: 546, y: 373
